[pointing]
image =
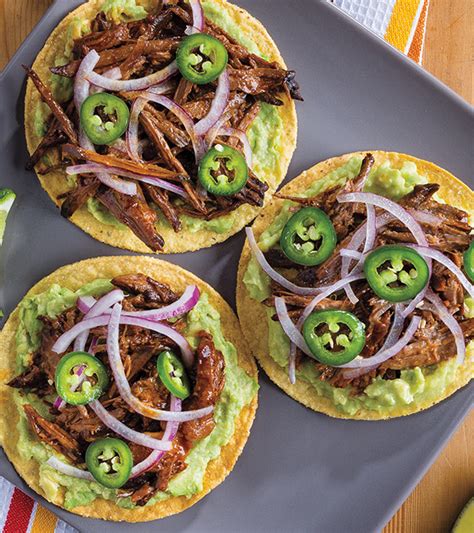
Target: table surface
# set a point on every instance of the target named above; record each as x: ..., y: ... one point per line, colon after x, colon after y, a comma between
x: 437, y: 500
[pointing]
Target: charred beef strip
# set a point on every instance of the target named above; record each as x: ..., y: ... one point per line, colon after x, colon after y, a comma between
x: 66, y: 125
x: 154, y: 293
x: 134, y: 213
x: 77, y: 197
x: 210, y: 379
x: 51, y: 434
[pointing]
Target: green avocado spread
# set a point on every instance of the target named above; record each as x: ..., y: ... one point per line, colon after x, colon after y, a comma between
x: 264, y: 134
x: 239, y: 390
x: 414, y: 385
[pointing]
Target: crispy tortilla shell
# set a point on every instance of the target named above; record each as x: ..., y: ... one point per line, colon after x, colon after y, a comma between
x: 73, y: 277
x: 252, y: 315
x: 55, y: 183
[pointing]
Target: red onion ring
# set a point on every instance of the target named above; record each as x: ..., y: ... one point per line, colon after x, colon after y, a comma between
x: 88, y: 168
x: 352, y: 254
x: 186, y: 302
x: 69, y: 470
x: 99, y: 308
x: 273, y: 274
x: 219, y: 103
x: 198, y: 18
x: 436, y: 306
x: 169, y: 435
x: 84, y: 303
x: 128, y: 433
x: 81, y: 84
x: 239, y: 134
x: 390, y: 206
x: 328, y: 290
x: 121, y: 381
x: 290, y: 329
x: 383, y: 355
x: 114, y: 74
x: 137, y: 84
x: 392, y: 337
x: 431, y: 253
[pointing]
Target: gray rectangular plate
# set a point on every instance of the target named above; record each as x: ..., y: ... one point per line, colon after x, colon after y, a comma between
x: 300, y: 471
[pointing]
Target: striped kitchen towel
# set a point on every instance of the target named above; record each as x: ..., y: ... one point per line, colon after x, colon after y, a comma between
x: 402, y: 23
x: 21, y: 514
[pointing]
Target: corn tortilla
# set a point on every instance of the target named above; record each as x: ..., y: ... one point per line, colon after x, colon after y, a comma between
x: 252, y: 315
x: 73, y: 277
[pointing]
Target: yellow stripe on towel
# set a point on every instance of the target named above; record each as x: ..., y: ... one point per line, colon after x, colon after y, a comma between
x: 403, y: 23
x: 44, y: 522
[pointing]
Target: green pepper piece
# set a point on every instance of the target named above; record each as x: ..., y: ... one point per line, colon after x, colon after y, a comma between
x: 396, y: 273
x: 66, y: 377
x: 110, y: 461
x: 104, y: 117
x: 308, y: 238
x: 173, y: 374
x: 469, y: 261
x: 334, y: 337
x: 201, y: 58
x: 223, y: 171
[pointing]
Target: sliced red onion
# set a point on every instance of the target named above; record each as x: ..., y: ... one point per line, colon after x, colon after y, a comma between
x: 136, y: 84
x: 258, y: 254
x: 331, y: 289
x: 69, y: 470
x: 88, y: 168
x: 84, y: 303
x: 437, y: 306
x: 99, y: 308
x: 62, y: 344
x: 371, y: 229
x: 121, y: 381
x: 239, y: 134
x: 431, y: 253
x: 113, y: 73
x: 292, y: 364
x: 383, y: 355
x: 352, y: 254
x: 132, y: 131
x: 198, y: 18
x: 392, y: 337
x: 290, y: 329
x: 128, y: 433
x: 219, y: 103
x: 211, y: 135
x: 183, y: 115
x: 186, y: 302
x: 81, y: 84
x: 425, y: 217
x: 169, y: 435
x: 390, y: 206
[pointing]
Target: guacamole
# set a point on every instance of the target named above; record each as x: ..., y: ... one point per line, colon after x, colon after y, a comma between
x: 413, y: 385
x: 264, y: 134
x: 239, y: 390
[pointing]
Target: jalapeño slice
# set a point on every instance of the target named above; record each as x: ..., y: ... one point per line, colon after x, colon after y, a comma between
x: 201, y: 58
x: 104, y: 117
x: 334, y: 337
x: 309, y: 237
x: 469, y: 261
x: 80, y: 378
x: 396, y: 273
x: 223, y: 171
x: 110, y: 461
x: 173, y: 374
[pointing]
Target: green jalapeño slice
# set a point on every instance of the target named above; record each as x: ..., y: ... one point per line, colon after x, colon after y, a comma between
x: 173, y: 374
x: 469, y: 261
x: 104, y: 118
x: 80, y: 378
x: 396, y: 273
x: 223, y: 171
x: 110, y: 461
x: 309, y: 237
x: 334, y: 337
x: 201, y: 58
